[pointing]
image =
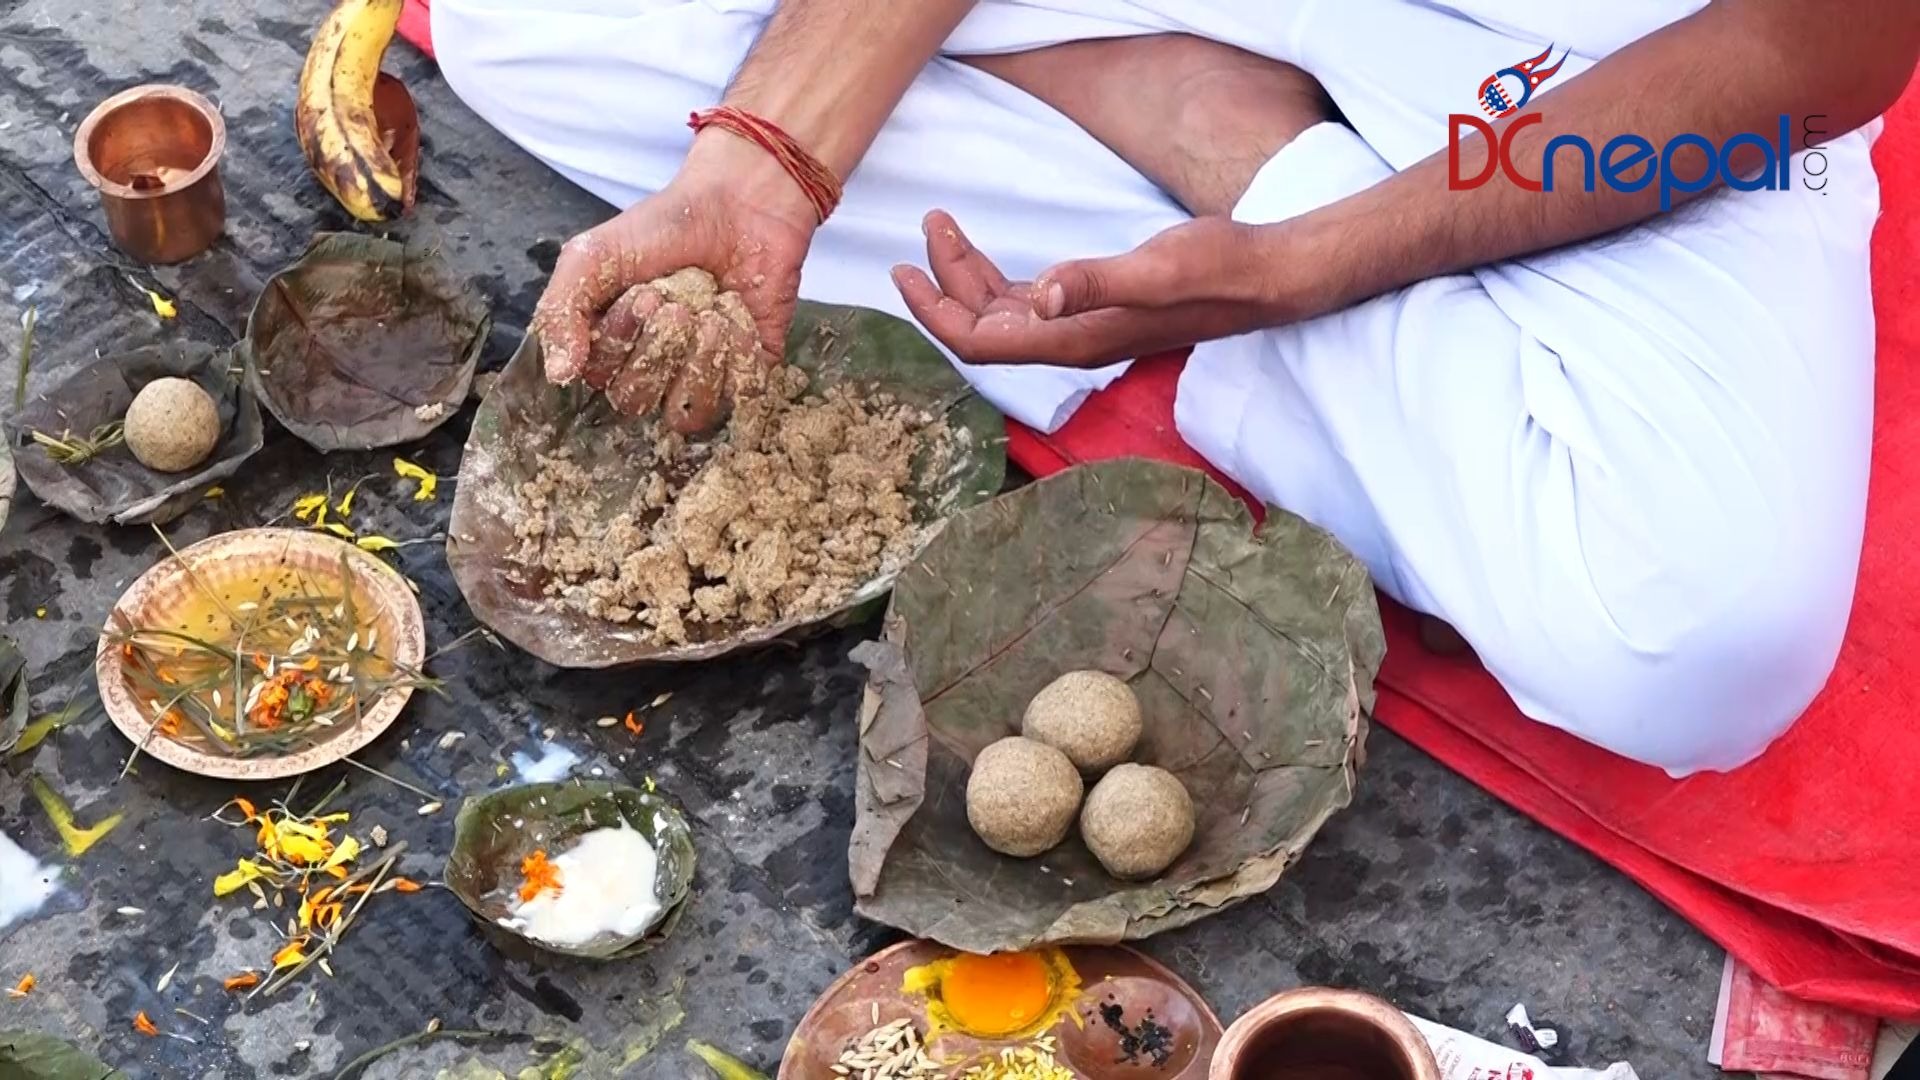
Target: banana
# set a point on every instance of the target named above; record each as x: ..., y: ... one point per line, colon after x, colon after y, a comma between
x: 334, y: 116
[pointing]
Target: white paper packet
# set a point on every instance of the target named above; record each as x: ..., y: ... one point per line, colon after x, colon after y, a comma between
x: 1465, y: 1057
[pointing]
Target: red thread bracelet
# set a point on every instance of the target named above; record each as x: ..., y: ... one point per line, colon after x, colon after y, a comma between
x: 816, y: 181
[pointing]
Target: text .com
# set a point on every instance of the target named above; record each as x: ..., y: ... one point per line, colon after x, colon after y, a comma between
x: 1632, y: 163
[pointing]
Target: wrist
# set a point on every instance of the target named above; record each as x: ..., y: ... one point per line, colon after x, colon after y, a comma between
x: 1302, y: 270
x: 749, y: 174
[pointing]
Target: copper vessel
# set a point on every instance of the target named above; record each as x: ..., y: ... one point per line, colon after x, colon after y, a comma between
x: 153, y: 153
x: 1320, y: 1034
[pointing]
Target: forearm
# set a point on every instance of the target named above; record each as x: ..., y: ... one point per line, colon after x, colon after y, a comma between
x: 831, y: 71
x: 1737, y: 66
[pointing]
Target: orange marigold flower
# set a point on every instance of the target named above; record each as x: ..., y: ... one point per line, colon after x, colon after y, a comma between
x: 144, y: 1026
x: 539, y: 876
x: 243, y: 981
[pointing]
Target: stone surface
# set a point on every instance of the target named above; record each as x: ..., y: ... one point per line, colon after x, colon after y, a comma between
x: 1427, y: 891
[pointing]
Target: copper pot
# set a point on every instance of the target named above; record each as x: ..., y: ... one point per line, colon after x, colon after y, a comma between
x: 153, y: 153
x: 1320, y: 1034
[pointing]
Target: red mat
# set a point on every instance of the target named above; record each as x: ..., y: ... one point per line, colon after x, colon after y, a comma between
x: 1806, y: 863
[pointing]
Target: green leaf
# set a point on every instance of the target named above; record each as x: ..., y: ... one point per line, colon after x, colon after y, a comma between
x: 31, y: 1055
x: 13, y: 694
x: 1252, y: 655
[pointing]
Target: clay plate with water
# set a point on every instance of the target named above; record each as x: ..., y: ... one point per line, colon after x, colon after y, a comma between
x: 239, y: 566
x: 1109, y: 975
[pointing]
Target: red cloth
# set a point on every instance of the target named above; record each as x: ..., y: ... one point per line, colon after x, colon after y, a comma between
x: 416, y: 25
x: 1804, y: 864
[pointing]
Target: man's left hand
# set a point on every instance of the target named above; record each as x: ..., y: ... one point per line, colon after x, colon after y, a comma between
x: 1206, y: 279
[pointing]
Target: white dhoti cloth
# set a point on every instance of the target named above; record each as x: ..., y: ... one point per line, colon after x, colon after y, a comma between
x: 1632, y: 473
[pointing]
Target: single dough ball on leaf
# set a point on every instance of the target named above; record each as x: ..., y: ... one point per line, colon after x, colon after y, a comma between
x: 1022, y: 796
x: 172, y: 425
x: 1090, y: 716
x: 1137, y: 821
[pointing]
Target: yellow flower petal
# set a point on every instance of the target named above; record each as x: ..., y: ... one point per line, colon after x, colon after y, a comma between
x: 233, y: 881
x: 301, y: 849
x: 376, y: 543
x: 336, y: 529
x: 311, y: 508
x: 345, y: 506
x: 162, y: 306
x: 290, y: 953
x: 343, y: 854
x: 215, y: 492
x: 409, y: 471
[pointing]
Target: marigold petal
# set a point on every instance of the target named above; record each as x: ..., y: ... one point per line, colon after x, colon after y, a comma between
x: 304, y: 850
x: 25, y: 985
x: 242, y: 981
x: 376, y: 543
x: 291, y: 953
x: 234, y: 880
x: 144, y: 1026
x: 310, y: 508
x: 401, y: 884
x: 344, y: 853
x: 429, y: 483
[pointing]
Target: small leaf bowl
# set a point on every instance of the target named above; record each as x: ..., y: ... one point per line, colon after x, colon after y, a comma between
x: 494, y: 832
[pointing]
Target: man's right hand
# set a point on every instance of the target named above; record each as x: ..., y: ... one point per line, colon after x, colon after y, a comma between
x: 732, y: 212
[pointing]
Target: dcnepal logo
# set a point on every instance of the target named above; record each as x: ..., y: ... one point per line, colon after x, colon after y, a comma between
x: 1508, y: 90
x: 1627, y: 163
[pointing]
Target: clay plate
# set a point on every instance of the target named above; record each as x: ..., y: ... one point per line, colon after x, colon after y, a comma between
x: 241, y: 553
x: 1090, y: 1048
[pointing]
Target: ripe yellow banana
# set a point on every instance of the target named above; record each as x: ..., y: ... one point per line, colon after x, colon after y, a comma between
x: 334, y: 114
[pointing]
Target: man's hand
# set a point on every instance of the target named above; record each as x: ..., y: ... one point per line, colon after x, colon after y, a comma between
x: 1206, y: 279
x: 1212, y: 278
x: 730, y: 212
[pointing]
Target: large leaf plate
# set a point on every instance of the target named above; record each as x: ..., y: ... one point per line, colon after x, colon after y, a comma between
x: 524, y: 414
x: 1252, y: 653
x: 364, y: 342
